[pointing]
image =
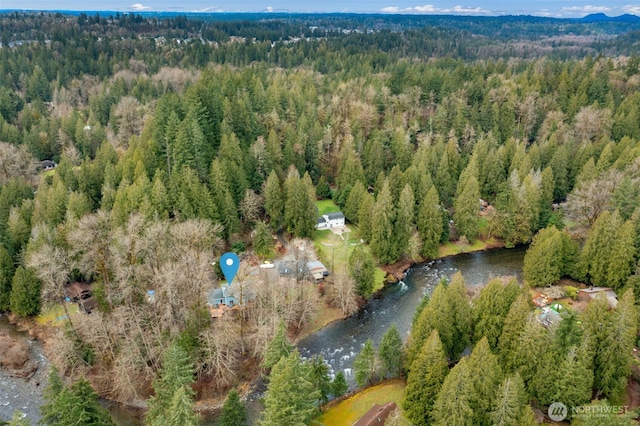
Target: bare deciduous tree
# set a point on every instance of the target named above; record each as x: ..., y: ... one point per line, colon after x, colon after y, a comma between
x: 219, y: 351
x: 343, y: 294
x: 16, y: 162
x: 589, y: 199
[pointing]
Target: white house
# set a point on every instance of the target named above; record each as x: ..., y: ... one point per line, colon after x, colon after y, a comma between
x: 330, y: 220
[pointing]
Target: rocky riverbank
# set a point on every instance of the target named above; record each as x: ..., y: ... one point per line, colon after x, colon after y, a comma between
x: 23, y: 373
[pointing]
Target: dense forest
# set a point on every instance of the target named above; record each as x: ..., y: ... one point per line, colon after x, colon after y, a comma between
x: 177, y: 138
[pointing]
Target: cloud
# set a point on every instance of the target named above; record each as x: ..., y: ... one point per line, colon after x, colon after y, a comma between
x: 429, y: 8
x: 139, y: 6
x: 268, y: 9
x: 586, y: 9
x: 632, y: 8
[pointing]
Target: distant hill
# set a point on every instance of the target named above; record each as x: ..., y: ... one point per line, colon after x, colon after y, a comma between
x: 601, y: 17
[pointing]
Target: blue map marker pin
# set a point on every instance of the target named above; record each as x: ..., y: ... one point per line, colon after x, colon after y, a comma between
x: 229, y: 263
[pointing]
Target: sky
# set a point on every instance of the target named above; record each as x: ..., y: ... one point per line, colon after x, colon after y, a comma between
x: 555, y: 8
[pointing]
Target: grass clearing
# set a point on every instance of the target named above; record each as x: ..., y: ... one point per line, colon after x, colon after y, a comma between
x: 326, y: 206
x: 55, y: 315
x: 348, y: 411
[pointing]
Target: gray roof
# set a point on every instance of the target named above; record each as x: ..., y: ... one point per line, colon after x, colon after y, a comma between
x: 335, y: 215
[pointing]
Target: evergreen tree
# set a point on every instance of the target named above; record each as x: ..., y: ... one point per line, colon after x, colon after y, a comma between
x: 50, y: 411
x: 390, y: 352
x: 511, y: 402
x: 364, y: 365
x: 466, y: 207
x: 323, y: 191
x: 262, y: 240
x: 453, y: 403
x: 485, y: 377
x: 382, y: 231
x: 354, y: 200
x: 458, y: 303
x: 430, y: 223
x: 176, y: 373
x: 277, y: 348
x: 424, y: 381
x: 549, y: 257
x: 404, y: 225
x: 319, y: 376
x: 273, y: 200
x: 291, y: 397
x: 514, y: 325
x: 435, y: 316
x: 181, y: 409
x: 622, y: 257
x: 364, y: 216
x: 339, y: 385
x: 574, y: 378
x: 234, y: 412
x: 25, y: 293
x: 593, y: 263
x: 300, y: 210
x: 362, y: 270
x: 77, y: 404
x: 6, y: 277
x: 491, y: 308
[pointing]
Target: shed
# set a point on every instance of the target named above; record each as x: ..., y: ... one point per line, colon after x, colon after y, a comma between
x: 48, y: 164
x: 77, y: 291
x: 377, y: 415
x: 587, y: 294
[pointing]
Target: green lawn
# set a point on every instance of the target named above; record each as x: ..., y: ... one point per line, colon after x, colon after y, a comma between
x: 347, y: 412
x: 326, y: 206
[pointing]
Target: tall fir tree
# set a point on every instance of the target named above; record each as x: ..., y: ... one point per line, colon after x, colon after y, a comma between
x: 277, y: 348
x: 234, y: 412
x: 511, y: 403
x: 176, y: 373
x: 273, y: 200
x: 6, y: 277
x: 362, y: 270
x: 339, y: 385
x: 460, y: 308
x: 25, y: 293
x: 391, y: 353
x: 424, y: 381
x: 435, y: 316
x: 291, y: 397
x: 382, y: 231
x: 485, y: 377
x: 364, y: 365
x: 466, y: 208
x: 491, y: 308
x: 430, y: 223
x: 453, y: 403
x: 404, y: 225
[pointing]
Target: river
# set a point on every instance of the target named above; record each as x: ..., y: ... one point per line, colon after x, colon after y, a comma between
x: 338, y: 343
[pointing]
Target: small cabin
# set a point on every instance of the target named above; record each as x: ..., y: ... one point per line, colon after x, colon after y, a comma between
x: 48, y: 165
x: 587, y: 294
